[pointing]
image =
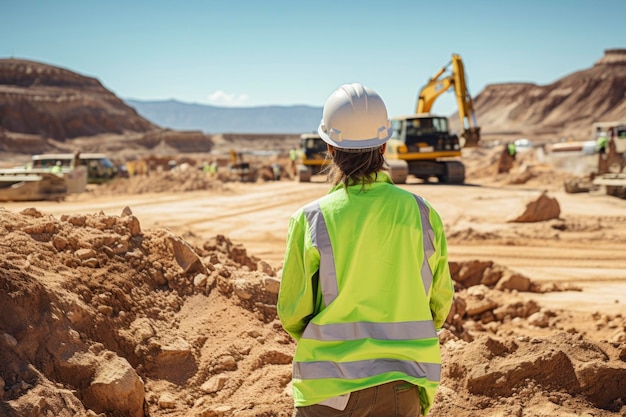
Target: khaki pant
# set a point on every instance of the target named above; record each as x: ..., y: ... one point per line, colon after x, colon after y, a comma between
x: 398, y: 398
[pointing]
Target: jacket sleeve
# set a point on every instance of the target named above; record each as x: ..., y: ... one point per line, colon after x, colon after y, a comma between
x: 298, y: 286
x: 442, y: 288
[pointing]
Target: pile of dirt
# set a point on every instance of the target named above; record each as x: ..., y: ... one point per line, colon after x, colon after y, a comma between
x: 529, y: 169
x: 182, y: 179
x: 98, y: 315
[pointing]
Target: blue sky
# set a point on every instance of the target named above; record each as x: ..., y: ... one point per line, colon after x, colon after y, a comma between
x: 254, y: 53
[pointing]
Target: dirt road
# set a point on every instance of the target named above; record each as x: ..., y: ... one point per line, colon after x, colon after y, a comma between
x: 585, y: 247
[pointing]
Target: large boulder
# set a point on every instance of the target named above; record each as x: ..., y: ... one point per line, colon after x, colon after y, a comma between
x: 539, y: 210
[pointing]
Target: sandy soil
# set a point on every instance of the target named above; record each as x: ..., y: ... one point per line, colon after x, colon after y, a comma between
x: 546, y: 337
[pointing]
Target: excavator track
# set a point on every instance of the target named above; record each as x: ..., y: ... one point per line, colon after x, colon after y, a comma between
x: 453, y: 173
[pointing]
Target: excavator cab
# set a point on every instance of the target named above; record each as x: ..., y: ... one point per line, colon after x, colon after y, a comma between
x: 425, y: 133
x: 421, y: 145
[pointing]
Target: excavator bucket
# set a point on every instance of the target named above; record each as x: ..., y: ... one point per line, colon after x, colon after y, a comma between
x: 472, y: 137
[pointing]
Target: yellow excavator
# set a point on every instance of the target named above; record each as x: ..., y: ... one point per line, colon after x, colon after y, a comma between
x: 421, y: 144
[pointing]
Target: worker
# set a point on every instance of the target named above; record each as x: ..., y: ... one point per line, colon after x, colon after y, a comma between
x: 213, y: 168
x: 276, y: 170
x: 601, y: 142
x: 365, y: 285
x: 507, y: 158
x: 56, y: 169
x: 293, y: 157
x: 511, y: 149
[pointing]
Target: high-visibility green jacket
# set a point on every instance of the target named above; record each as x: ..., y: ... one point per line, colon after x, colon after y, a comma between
x: 511, y: 149
x: 364, y: 289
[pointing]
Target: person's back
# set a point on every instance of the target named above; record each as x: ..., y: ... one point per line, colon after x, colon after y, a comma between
x: 365, y: 282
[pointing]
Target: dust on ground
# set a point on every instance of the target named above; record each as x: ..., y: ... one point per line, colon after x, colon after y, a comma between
x: 101, y: 316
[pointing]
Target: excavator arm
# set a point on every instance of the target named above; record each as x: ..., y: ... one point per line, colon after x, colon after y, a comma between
x: 442, y: 82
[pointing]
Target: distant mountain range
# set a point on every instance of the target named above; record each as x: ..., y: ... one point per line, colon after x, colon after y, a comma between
x: 211, y: 119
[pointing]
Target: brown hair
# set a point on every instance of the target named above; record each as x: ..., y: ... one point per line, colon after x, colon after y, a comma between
x: 350, y: 167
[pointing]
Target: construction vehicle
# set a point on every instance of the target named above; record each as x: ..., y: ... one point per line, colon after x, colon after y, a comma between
x: 239, y: 169
x: 99, y: 168
x: 41, y: 180
x: 611, y: 163
x: 422, y: 144
x: 22, y: 186
x: 312, y: 158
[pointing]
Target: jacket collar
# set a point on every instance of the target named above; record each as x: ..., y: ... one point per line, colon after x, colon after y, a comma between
x: 381, y: 177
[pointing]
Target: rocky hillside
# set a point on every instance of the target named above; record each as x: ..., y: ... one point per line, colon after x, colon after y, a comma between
x: 41, y: 99
x: 565, y: 108
x: 46, y: 108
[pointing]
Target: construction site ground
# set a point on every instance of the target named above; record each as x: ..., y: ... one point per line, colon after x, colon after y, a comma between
x: 556, y: 346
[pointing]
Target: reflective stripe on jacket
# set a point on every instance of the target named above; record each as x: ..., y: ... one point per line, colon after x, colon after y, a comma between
x: 369, y: 319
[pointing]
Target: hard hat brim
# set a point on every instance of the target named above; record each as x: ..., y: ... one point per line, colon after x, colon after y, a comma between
x: 353, y: 143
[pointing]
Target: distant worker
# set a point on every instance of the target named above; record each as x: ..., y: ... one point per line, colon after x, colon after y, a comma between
x: 276, y: 171
x: 56, y: 169
x: 507, y: 158
x: 293, y: 157
x: 511, y: 149
x: 366, y: 284
x: 213, y: 168
x: 602, y: 141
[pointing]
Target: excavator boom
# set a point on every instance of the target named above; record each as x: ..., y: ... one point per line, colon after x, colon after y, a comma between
x: 442, y: 82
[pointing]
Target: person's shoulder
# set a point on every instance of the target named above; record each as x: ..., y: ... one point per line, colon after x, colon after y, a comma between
x: 308, y: 207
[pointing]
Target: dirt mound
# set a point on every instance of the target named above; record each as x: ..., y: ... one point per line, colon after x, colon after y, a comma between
x: 178, y: 180
x: 558, y: 374
x: 98, y: 315
x: 529, y: 169
x: 183, y: 178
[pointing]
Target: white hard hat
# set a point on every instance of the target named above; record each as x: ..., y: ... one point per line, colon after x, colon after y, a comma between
x: 355, y: 117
